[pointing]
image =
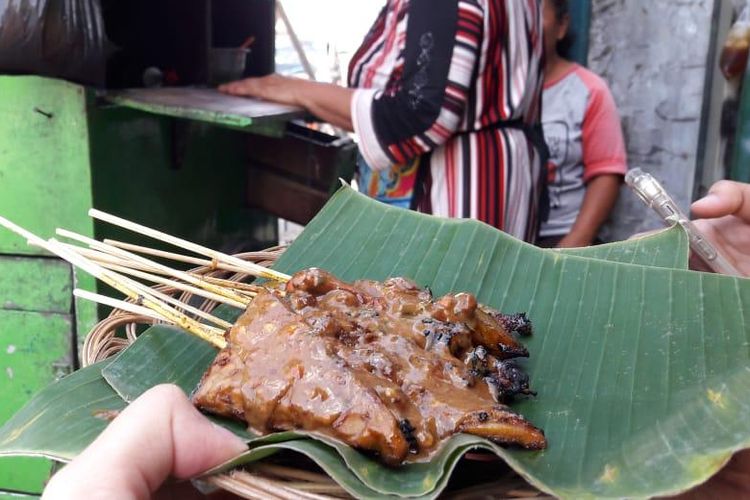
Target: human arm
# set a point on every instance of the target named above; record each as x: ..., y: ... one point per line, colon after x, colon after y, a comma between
x: 598, y: 202
x: 604, y: 162
x: 158, y: 436
x: 724, y: 217
x: 394, y: 127
x: 330, y: 103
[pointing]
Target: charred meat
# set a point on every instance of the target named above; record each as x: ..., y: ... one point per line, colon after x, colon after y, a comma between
x: 380, y: 366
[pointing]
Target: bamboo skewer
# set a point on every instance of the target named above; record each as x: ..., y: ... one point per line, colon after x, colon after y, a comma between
x: 124, y: 285
x: 109, y: 259
x: 225, y: 325
x: 140, y: 293
x: 187, y: 277
x: 163, y: 281
x: 184, y: 288
x: 250, y: 268
x: 133, y: 269
x: 247, y: 289
x: 137, y: 292
x: 117, y: 304
x: 213, y: 264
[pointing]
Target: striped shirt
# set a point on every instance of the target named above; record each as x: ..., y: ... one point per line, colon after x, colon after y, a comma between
x: 452, y: 84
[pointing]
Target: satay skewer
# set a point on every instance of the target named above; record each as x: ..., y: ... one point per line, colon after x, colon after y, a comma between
x: 150, y: 273
x: 133, y: 269
x: 178, y: 304
x: 140, y: 293
x: 121, y: 284
x: 182, y: 287
x: 174, y: 256
x: 247, y: 288
x: 106, y: 258
x: 186, y: 277
x: 117, y: 304
x: 250, y: 268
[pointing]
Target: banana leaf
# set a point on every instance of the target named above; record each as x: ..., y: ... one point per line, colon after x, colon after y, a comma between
x: 62, y: 419
x: 668, y: 248
x: 641, y: 370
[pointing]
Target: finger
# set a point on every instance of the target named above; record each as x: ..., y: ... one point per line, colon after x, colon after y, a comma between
x: 725, y: 198
x: 157, y: 436
x: 238, y: 87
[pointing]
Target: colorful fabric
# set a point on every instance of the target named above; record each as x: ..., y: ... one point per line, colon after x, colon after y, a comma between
x: 584, y: 136
x: 453, y: 83
x: 393, y: 186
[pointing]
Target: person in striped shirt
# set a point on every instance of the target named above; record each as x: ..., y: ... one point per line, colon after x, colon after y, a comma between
x: 445, y: 98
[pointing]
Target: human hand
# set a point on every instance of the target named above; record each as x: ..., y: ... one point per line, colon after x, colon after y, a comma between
x: 158, y: 436
x: 276, y: 88
x: 725, y: 220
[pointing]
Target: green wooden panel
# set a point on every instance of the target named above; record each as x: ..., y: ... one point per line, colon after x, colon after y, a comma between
x: 44, y: 159
x: 35, y: 284
x: 181, y: 177
x: 35, y: 348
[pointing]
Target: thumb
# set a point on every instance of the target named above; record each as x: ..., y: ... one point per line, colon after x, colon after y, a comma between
x: 724, y: 198
x: 159, y: 435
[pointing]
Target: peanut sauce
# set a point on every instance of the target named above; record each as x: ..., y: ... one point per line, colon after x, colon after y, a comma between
x: 380, y: 366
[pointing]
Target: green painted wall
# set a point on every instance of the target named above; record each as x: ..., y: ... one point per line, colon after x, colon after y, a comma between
x: 44, y: 166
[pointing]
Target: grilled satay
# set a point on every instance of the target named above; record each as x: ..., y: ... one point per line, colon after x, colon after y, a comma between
x: 380, y: 366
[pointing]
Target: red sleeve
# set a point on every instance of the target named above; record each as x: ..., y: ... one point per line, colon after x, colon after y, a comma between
x: 603, y: 143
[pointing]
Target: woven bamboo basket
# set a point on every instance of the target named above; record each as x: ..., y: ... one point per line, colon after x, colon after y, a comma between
x: 289, y: 478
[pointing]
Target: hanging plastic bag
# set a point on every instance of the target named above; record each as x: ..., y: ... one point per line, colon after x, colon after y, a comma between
x: 57, y: 38
x: 733, y: 60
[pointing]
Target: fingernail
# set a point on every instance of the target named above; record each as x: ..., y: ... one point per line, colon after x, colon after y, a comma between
x: 240, y: 443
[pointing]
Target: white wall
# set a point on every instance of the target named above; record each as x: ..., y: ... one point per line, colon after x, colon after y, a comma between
x: 654, y: 53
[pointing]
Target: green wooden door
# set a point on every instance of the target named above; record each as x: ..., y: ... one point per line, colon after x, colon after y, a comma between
x: 36, y: 347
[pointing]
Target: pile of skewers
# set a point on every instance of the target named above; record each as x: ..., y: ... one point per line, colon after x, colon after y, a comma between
x: 127, y: 267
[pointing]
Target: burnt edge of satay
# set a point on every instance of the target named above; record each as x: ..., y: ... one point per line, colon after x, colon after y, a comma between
x: 504, y: 378
x: 518, y: 323
x: 408, y: 431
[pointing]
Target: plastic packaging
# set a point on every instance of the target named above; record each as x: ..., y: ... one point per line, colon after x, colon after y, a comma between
x: 57, y: 38
x: 734, y: 55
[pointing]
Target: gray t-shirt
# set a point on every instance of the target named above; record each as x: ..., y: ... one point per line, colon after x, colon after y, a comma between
x: 583, y: 133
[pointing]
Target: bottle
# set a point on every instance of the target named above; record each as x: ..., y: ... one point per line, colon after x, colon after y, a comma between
x: 736, y: 50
